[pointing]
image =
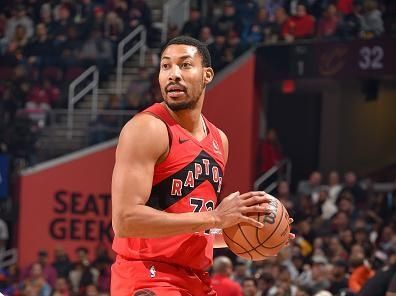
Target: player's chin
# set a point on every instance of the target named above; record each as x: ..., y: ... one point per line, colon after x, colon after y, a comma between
x: 177, y: 105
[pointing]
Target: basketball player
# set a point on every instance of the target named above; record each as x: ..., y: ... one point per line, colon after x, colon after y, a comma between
x: 166, y: 185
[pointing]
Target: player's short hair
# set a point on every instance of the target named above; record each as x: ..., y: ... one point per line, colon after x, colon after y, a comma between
x: 187, y: 40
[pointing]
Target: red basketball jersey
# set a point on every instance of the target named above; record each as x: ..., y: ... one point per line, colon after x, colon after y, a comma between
x: 188, y: 180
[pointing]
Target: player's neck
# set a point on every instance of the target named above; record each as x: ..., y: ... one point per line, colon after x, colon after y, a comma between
x: 190, y: 119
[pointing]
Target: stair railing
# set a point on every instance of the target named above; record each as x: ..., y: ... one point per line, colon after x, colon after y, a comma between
x: 123, y: 56
x: 281, y: 170
x: 91, y: 75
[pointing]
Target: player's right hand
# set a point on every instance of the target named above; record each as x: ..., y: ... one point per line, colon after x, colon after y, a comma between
x: 234, y: 208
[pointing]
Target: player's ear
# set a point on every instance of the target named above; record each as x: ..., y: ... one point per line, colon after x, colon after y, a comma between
x: 208, y: 75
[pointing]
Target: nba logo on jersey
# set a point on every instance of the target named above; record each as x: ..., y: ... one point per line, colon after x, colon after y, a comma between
x: 152, y: 271
x: 216, y: 147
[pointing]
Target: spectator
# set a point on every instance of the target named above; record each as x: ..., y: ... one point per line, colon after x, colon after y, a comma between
x: 241, y: 270
x: 372, y: 24
x: 17, y: 45
x: 352, y: 186
x: 82, y: 274
x: 338, y: 277
x: 265, y: 282
x: 43, y: 96
x: 217, y: 52
x: 113, y: 27
x: 284, y: 27
x: 312, y: 186
x: 46, y: 270
x: 326, y: 206
x: 249, y: 287
x: 62, y: 24
x: 283, y: 285
x: 345, y: 6
x: 271, y: 151
x: 283, y: 194
x: 70, y: 50
x: 98, y: 20
x: 144, y: 12
x: 61, y: 262
x: 221, y: 282
x: 351, y: 25
x: 3, y: 236
x: 329, y: 23
x: 205, y: 35
x: 229, y: 21
x: 379, y: 283
x: 334, y: 186
x: 46, y: 19
x: 246, y: 11
x: 193, y: 26
x: 361, y: 272
x: 259, y: 30
x: 304, y: 23
x: 62, y: 287
x: 97, y: 51
x: 318, y: 280
x: 19, y: 19
x: 36, y: 284
x: 40, y: 51
x: 336, y: 250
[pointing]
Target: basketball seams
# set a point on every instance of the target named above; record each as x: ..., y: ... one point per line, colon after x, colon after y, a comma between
x: 225, y: 233
x: 254, y: 248
x: 262, y: 243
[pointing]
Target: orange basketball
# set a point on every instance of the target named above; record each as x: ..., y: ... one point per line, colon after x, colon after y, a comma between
x: 255, y: 243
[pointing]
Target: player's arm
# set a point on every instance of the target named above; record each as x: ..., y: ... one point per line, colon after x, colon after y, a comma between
x: 142, y: 143
x: 218, y: 236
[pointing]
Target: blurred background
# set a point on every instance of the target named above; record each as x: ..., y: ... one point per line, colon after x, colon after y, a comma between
x: 305, y: 90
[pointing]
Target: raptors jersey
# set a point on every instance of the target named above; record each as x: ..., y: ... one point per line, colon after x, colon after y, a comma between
x: 188, y: 180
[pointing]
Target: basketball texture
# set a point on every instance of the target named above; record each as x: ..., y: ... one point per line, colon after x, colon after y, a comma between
x: 255, y: 243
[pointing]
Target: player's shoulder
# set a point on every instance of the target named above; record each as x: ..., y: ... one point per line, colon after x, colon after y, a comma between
x: 223, y: 136
x: 145, y: 128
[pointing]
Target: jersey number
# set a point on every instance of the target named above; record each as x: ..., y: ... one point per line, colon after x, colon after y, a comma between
x: 198, y: 203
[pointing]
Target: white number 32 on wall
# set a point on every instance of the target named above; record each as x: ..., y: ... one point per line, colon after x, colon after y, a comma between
x: 371, y: 58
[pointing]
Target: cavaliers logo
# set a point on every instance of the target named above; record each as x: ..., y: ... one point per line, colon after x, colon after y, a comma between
x: 332, y: 61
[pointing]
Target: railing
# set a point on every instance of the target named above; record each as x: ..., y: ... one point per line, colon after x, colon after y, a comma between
x: 275, y: 171
x: 75, y: 97
x: 178, y: 11
x: 8, y: 258
x: 122, y: 56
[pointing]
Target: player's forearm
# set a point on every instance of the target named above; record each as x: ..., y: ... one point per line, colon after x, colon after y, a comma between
x: 145, y: 222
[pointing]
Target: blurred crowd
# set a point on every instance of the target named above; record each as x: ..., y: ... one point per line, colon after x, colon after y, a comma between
x: 345, y: 245
x: 231, y: 27
x: 44, y: 45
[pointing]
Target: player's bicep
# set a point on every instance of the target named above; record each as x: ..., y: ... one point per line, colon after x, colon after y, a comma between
x: 136, y: 156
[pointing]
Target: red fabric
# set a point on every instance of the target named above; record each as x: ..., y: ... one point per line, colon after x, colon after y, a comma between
x: 185, y: 165
x: 345, y: 6
x: 328, y: 26
x: 359, y: 277
x: 131, y: 277
x: 304, y: 26
x: 224, y: 286
x: 288, y: 28
x: 39, y: 94
x: 270, y: 155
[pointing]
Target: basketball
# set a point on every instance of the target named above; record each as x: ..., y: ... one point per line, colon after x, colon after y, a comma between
x: 255, y: 243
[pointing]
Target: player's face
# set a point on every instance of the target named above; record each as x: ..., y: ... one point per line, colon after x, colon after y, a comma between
x: 182, y: 77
